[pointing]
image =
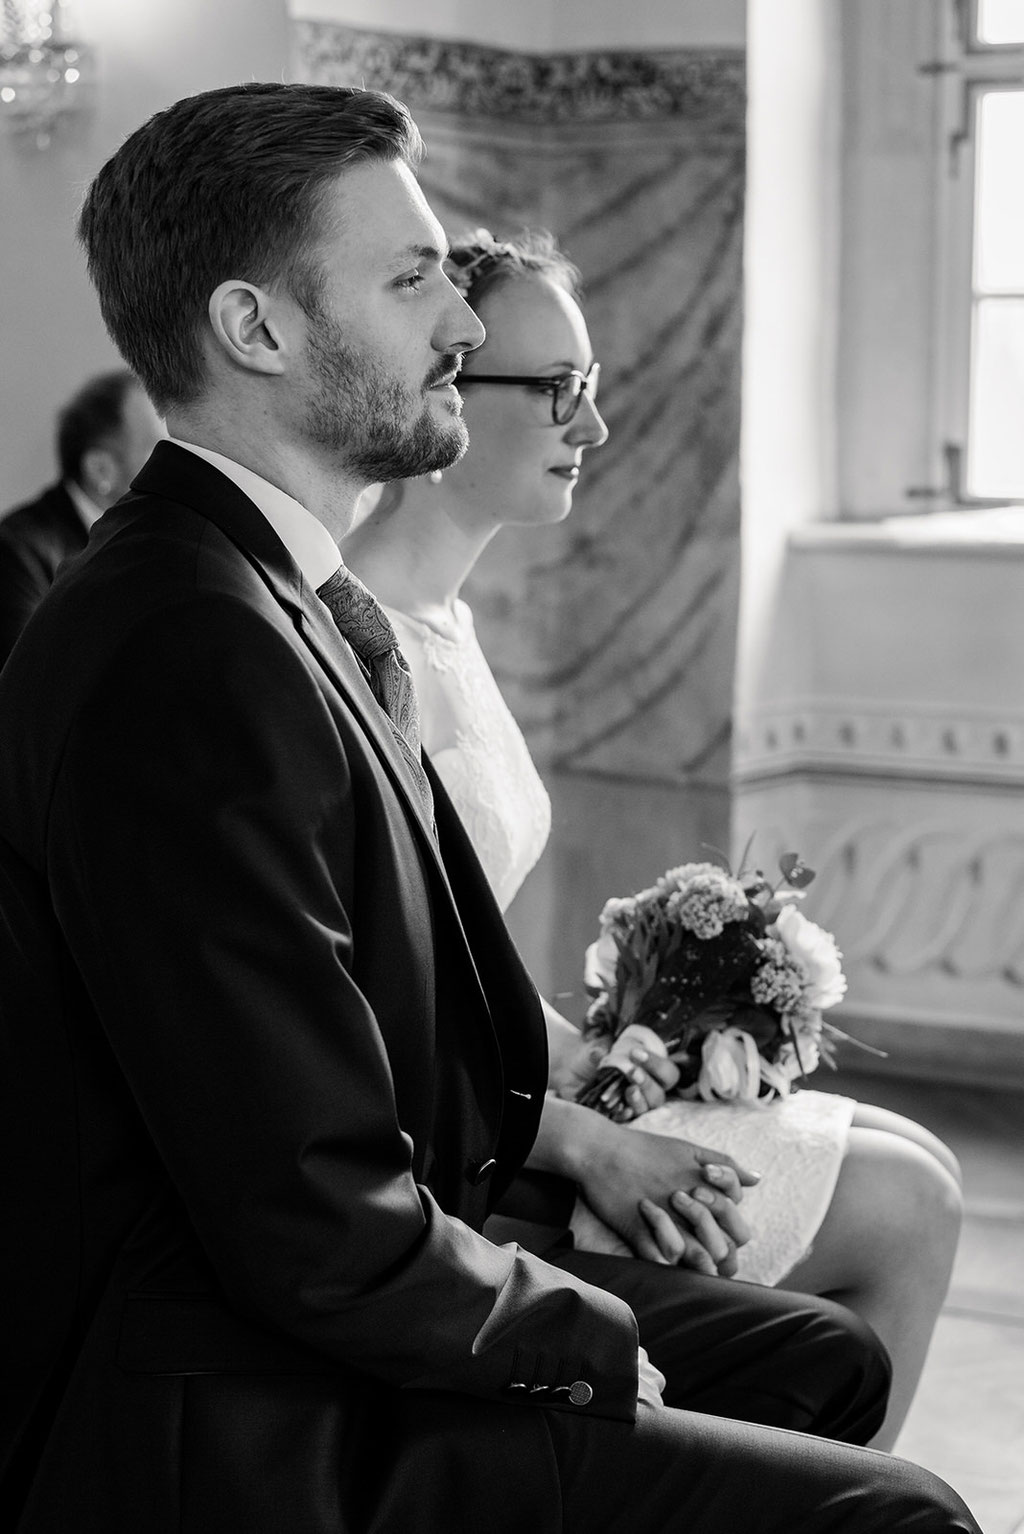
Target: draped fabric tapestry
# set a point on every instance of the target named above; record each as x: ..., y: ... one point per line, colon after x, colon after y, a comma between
x: 613, y: 635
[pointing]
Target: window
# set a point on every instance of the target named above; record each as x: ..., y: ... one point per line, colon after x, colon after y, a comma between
x: 985, y: 299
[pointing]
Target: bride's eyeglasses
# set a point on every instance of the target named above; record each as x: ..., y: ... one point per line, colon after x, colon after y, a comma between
x: 566, y: 389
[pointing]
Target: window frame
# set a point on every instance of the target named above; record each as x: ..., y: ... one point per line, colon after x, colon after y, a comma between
x: 973, y: 69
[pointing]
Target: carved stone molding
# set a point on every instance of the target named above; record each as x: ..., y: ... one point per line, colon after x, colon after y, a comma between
x: 903, y: 741
x: 929, y: 897
x: 923, y: 890
x: 469, y: 79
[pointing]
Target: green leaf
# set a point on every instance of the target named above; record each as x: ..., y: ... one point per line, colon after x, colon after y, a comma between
x: 720, y: 855
x: 744, y: 855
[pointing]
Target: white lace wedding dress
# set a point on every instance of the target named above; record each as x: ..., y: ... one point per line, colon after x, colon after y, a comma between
x: 481, y: 757
x: 477, y: 749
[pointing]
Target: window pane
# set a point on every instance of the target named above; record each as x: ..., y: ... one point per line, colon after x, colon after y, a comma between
x: 999, y: 217
x: 995, y: 452
x: 1001, y: 21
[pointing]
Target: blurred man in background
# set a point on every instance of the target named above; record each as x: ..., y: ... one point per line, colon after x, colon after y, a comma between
x: 105, y: 433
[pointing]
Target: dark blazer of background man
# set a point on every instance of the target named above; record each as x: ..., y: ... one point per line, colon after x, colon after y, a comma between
x: 269, y: 1055
x: 105, y: 433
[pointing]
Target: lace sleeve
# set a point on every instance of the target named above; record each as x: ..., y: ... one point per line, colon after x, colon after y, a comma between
x: 477, y: 750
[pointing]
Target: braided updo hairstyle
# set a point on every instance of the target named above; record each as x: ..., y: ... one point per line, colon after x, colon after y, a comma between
x: 478, y: 263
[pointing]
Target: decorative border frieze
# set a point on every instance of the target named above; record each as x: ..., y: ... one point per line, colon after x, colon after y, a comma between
x: 927, y: 905
x: 903, y: 740
x: 469, y: 79
x: 914, y: 821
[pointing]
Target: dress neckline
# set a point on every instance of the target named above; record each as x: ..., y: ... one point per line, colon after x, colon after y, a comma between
x: 451, y: 635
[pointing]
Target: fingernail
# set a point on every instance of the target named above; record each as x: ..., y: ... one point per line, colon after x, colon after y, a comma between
x: 714, y: 1173
x: 640, y: 1055
x: 704, y: 1195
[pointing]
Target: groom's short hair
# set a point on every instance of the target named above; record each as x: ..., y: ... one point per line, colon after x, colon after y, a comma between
x: 227, y: 184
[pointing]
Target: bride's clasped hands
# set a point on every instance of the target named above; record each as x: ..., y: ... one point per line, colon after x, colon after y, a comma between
x: 653, y: 1196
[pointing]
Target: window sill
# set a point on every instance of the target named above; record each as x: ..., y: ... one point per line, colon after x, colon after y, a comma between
x: 993, y: 530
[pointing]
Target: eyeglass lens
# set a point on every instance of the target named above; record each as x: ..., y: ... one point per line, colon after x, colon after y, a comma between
x: 570, y: 392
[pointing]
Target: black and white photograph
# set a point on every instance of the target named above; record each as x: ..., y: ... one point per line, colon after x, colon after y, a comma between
x: 512, y: 767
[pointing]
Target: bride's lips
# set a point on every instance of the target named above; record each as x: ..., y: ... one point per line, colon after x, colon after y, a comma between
x: 569, y: 471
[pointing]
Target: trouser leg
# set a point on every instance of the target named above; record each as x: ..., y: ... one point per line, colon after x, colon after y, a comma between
x: 739, y: 1350
x: 678, y: 1472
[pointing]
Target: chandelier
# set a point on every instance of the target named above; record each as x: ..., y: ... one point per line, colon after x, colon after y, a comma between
x: 41, y: 66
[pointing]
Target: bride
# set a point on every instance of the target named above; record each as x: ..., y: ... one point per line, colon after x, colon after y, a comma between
x: 855, y: 1202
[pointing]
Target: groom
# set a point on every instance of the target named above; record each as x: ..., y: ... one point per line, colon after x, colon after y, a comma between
x: 269, y: 1056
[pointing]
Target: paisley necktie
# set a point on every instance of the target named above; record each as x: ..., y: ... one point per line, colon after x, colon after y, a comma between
x: 364, y: 623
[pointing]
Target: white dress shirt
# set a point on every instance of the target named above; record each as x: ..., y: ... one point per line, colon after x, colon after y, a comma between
x: 86, y: 508
x: 303, y: 535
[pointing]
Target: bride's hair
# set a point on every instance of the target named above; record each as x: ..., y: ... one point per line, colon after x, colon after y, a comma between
x: 478, y: 262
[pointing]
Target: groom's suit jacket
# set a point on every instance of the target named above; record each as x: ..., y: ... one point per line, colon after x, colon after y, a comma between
x: 268, y: 1059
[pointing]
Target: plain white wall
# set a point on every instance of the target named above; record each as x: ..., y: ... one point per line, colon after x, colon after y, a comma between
x: 896, y: 178
x: 791, y: 285
x: 148, y: 54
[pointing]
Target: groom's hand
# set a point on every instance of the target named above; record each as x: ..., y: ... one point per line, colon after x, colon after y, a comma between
x: 671, y: 1201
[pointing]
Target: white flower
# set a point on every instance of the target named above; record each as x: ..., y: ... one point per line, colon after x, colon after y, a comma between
x: 705, y: 904
x: 816, y: 951
x: 730, y: 1066
x: 599, y: 963
x: 679, y: 878
x: 619, y: 911
x: 781, y: 981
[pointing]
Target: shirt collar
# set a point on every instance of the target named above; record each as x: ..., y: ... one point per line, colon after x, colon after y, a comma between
x: 86, y: 508
x: 303, y: 535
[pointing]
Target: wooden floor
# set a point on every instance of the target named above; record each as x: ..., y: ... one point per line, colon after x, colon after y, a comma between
x: 967, y: 1423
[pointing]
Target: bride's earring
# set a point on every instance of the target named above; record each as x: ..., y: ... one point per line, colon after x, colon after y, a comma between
x: 435, y: 476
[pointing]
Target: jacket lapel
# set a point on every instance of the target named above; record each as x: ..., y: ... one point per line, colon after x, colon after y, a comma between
x: 178, y: 475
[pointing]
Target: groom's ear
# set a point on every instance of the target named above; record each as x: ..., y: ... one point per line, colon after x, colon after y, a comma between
x: 253, y: 329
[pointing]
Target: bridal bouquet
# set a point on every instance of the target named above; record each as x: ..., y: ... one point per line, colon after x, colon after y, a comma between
x: 722, y: 973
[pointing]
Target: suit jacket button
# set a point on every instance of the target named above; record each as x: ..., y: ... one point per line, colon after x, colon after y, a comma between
x: 479, y: 1171
x: 580, y: 1393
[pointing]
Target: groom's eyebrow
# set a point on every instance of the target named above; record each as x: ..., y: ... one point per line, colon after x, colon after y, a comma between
x: 422, y: 253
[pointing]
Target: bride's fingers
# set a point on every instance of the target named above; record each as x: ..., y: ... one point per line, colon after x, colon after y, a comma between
x: 672, y: 1245
x: 715, y: 1240
x: 725, y: 1179
x: 658, y: 1075
x: 649, y: 1078
x: 724, y: 1213
x: 709, y: 1158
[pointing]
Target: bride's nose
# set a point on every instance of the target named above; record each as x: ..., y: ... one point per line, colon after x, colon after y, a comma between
x: 587, y: 428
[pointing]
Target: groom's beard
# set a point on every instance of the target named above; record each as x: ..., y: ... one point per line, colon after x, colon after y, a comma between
x: 370, y: 419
